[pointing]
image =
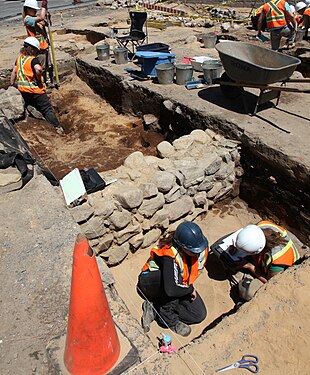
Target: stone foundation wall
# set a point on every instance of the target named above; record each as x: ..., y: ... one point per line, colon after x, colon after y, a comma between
x: 152, y: 195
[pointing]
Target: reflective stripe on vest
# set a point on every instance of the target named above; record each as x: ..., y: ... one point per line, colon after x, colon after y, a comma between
x: 275, y: 16
x: 198, y: 262
x: 38, y: 35
x: 285, y: 255
x: 25, y: 78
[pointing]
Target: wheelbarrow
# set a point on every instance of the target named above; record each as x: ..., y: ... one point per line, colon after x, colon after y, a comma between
x: 248, y: 65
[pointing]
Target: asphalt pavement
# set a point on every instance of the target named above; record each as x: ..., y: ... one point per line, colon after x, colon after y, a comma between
x: 13, y: 8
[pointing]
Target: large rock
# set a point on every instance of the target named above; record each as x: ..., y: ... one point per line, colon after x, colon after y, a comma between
x: 192, y: 175
x: 136, y: 241
x: 82, y: 213
x: 116, y: 254
x: 104, y: 243
x: 225, y: 171
x: 165, y: 149
x: 180, y: 208
x: 126, y: 233
x: 159, y: 217
x: 173, y: 194
x: 136, y: 161
x: 200, y: 198
x: 12, y: 103
x: 183, y: 143
x: 214, y: 191
x: 206, y: 184
x: 103, y: 207
x: 200, y: 136
x: 129, y: 197
x: 149, y: 190
x: 151, y: 237
x: 164, y: 181
x: 150, y: 206
x: 94, y: 227
x: 119, y: 219
x: 212, y: 163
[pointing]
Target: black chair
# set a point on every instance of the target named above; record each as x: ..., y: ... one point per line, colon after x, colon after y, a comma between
x: 136, y: 34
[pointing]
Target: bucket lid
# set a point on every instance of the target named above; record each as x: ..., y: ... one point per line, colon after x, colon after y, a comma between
x: 153, y: 55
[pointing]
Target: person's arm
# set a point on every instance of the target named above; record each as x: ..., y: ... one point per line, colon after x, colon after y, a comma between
x: 290, y: 17
x: 13, y: 76
x: 260, y: 23
x: 37, y: 68
x: 173, y: 286
x: 255, y: 271
x: 43, y: 12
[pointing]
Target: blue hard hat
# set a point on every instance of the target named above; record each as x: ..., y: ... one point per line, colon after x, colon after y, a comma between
x: 189, y: 236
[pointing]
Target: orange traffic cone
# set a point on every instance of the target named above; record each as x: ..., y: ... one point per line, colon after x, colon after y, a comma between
x: 92, y: 345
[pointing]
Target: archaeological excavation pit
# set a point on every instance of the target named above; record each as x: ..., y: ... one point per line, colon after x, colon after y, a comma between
x: 198, y: 175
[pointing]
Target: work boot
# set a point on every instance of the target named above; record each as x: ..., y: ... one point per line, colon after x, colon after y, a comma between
x: 181, y: 329
x: 148, y: 315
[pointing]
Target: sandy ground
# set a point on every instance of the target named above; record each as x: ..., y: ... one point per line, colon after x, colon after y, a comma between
x: 211, y: 284
x: 274, y: 326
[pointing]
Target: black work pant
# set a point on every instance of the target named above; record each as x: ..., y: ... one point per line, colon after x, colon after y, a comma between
x: 170, y: 310
x: 42, y: 103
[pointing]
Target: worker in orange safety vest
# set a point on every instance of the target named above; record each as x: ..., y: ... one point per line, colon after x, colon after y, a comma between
x: 280, y: 22
x: 260, y: 251
x: 27, y: 74
x: 167, y: 278
x: 304, y: 10
x: 255, y: 14
x: 36, y: 26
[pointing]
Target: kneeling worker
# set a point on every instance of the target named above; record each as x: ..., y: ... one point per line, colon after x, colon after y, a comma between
x: 28, y: 75
x: 166, y: 281
x: 260, y: 251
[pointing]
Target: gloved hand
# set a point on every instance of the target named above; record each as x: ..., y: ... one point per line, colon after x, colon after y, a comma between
x: 44, y: 4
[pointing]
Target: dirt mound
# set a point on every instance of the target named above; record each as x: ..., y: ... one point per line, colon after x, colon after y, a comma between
x: 95, y: 134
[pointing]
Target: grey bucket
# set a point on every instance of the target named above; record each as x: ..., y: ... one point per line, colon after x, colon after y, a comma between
x: 211, y: 70
x: 184, y: 73
x: 300, y: 34
x: 120, y: 55
x: 209, y: 40
x: 165, y: 73
x: 103, y: 51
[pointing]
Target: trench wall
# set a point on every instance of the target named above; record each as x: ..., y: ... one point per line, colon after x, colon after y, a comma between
x: 273, y: 183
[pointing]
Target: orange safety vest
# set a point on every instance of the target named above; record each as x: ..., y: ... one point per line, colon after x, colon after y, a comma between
x: 26, y: 80
x: 37, y: 34
x: 188, y: 278
x: 285, y: 255
x: 258, y: 11
x: 307, y: 12
x: 275, y: 14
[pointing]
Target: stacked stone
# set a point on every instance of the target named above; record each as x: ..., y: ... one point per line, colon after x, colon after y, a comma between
x: 153, y: 195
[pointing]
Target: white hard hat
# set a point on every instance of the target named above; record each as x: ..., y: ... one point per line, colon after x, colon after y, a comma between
x: 300, y: 5
x: 31, y: 4
x: 251, y: 239
x: 292, y: 8
x: 32, y: 41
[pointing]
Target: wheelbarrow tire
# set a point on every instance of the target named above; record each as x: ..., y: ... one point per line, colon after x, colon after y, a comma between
x: 230, y: 92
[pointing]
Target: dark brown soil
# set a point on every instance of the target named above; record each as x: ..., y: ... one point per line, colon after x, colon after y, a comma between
x: 96, y: 136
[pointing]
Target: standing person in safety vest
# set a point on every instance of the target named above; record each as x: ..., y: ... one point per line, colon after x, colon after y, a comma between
x: 35, y: 26
x: 27, y: 73
x: 304, y: 10
x: 280, y: 22
x: 166, y: 281
x: 259, y: 251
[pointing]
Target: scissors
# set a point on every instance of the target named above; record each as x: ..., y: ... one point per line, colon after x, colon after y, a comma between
x: 248, y: 362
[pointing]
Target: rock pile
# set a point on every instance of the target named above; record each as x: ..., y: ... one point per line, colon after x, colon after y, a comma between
x: 153, y: 195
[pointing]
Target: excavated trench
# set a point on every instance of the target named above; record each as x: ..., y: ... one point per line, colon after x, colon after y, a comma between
x: 101, y: 134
